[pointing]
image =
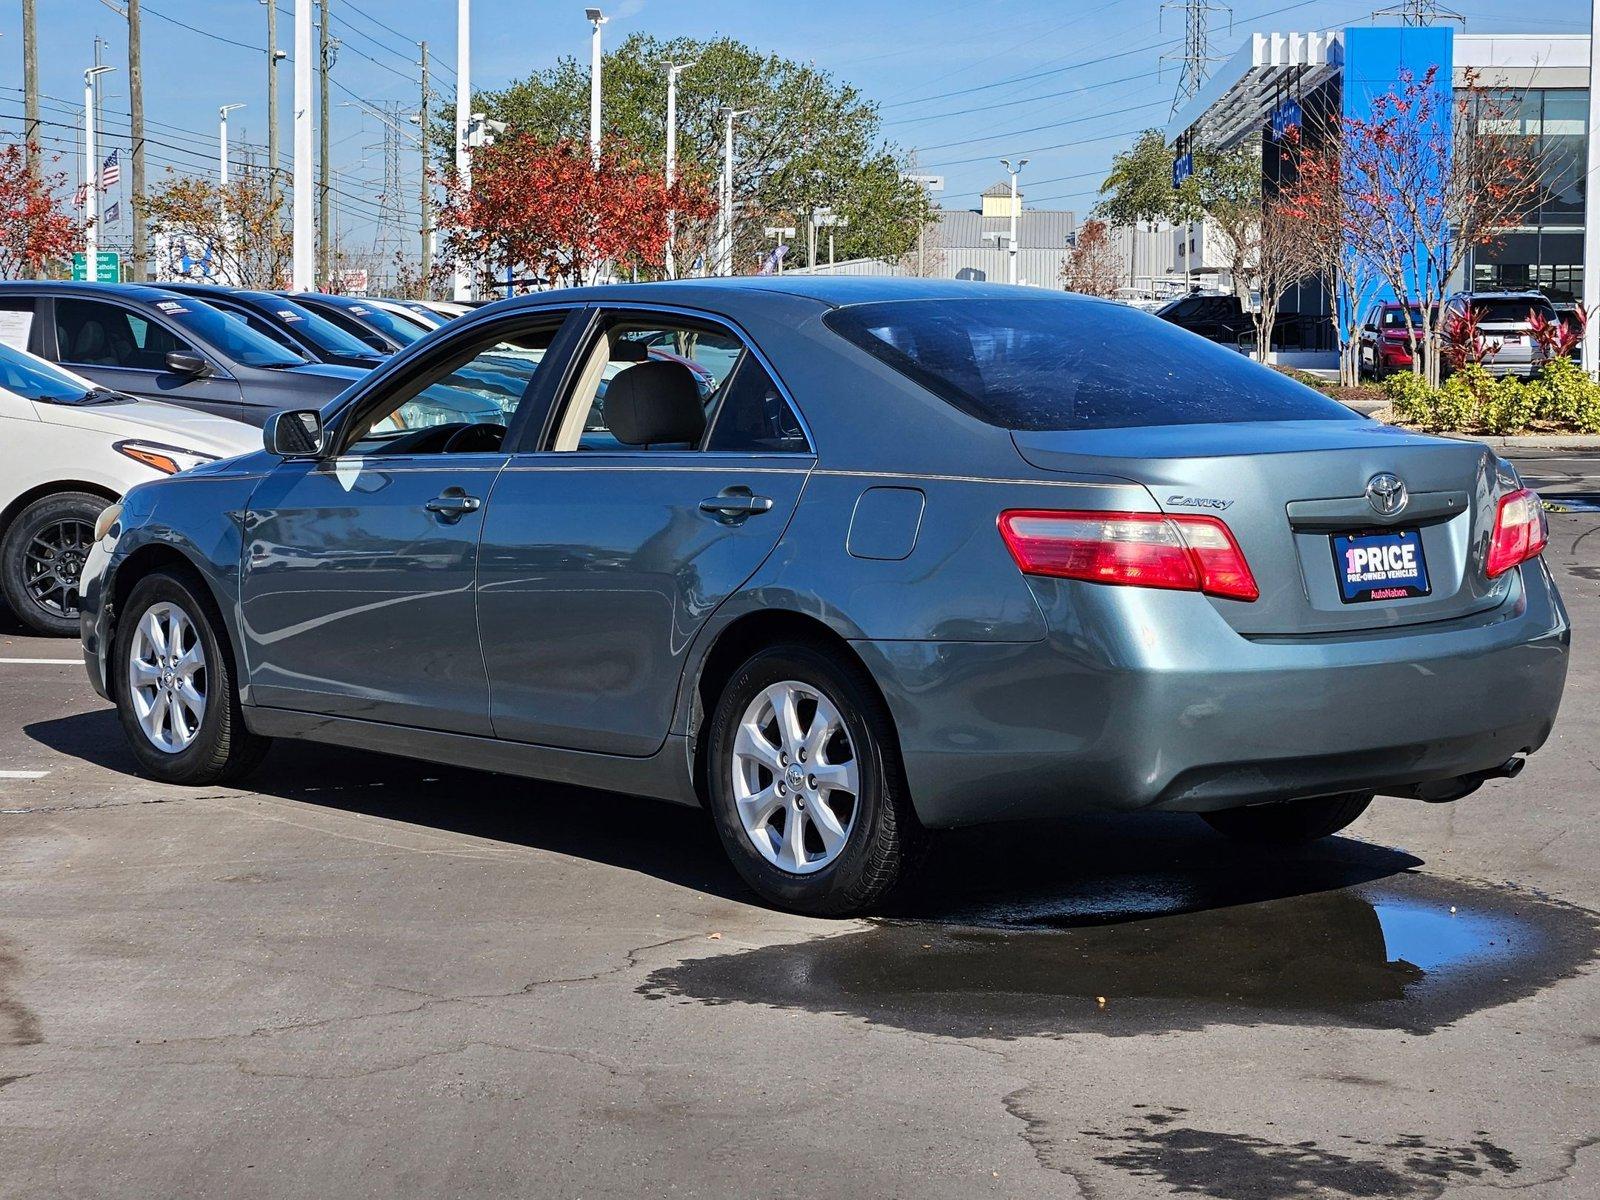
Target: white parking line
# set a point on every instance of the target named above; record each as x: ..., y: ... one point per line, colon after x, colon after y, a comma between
x: 23, y: 774
x: 39, y: 662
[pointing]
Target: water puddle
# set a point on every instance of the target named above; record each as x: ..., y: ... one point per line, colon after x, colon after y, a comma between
x: 1573, y: 502
x: 1357, y: 936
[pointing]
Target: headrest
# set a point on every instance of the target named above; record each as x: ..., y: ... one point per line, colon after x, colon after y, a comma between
x: 654, y: 403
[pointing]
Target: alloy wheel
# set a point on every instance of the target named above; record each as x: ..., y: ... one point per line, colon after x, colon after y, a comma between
x: 53, y: 560
x: 167, y: 677
x: 796, y: 777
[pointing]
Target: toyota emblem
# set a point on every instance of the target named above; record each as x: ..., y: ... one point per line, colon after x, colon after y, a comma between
x: 1386, y: 494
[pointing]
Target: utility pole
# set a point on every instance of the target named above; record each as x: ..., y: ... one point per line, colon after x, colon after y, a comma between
x: 729, y: 115
x: 325, y: 50
x: 673, y: 71
x: 141, y: 268
x: 304, y: 243
x: 462, y: 289
x: 274, y: 56
x: 30, y: 83
x: 1016, y: 205
x: 598, y: 18
x: 91, y: 164
x: 426, y: 198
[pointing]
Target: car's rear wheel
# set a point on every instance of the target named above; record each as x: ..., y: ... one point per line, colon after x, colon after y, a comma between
x: 805, y: 783
x: 1290, y: 821
x: 173, y: 681
x: 42, y: 556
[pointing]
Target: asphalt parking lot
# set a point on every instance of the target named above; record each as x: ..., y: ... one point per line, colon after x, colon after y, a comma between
x: 361, y: 976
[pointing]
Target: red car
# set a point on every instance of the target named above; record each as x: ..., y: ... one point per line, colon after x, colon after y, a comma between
x: 1385, y: 340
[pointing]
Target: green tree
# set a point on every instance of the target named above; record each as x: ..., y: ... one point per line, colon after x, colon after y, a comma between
x: 808, y: 140
x: 1139, y: 185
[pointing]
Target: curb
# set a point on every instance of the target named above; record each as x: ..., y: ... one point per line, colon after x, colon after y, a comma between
x: 1532, y: 441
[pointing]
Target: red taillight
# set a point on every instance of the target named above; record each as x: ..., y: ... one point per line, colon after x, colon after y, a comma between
x: 1194, y: 554
x: 1520, y: 531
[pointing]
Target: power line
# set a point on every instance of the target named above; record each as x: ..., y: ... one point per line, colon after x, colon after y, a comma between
x: 1098, y: 116
x: 216, y: 37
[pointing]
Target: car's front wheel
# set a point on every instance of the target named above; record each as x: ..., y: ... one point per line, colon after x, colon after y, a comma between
x: 1290, y: 821
x: 174, y: 685
x: 805, y: 783
x: 42, y: 556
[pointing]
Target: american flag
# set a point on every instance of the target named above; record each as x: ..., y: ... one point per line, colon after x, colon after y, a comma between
x: 81, y: 196
x: 110, y: 171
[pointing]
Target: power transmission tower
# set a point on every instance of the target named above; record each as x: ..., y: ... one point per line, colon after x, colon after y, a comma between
x: 389, y: 238
x: 1194, y: 64
x: 1420, y: 12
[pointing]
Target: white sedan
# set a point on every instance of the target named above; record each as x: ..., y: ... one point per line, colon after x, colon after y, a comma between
x: 68, y: 448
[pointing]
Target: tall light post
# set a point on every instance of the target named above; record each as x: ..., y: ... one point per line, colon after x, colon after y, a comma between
x: 597, y: 18
x: 1016, y: 204
x: 673, y: 71
x: 222, y: 142
x: 305, y: 246
x: 1591, y: 207
x: 726, y: 249
x: 461, y: 288
x: 91, y: 168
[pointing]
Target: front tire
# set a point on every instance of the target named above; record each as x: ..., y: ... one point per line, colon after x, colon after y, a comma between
x: 805, y: 783
x: 42, y: 556
x: 172, y: 677
x: 1290, y: 822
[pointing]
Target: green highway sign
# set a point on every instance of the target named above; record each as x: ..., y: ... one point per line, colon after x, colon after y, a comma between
x: 107, y: 266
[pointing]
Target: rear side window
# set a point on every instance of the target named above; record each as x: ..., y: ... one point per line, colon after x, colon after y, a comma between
x: 754, y: 417
x: 1059, y: 362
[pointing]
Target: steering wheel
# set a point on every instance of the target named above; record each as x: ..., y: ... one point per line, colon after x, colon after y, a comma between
x: 479, y: 437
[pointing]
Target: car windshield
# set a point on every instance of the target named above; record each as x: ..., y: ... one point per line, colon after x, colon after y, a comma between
x: 1513, y: 310
x: 1395, y: 318
x: 313, y: 327
x: 396, y: 328
x: 1056, y: 363
x: 228, y: 337
x: 33, y: 379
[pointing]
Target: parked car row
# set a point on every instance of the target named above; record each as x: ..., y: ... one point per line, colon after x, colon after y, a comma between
x: 1504, y: 321
x: 106, y: 386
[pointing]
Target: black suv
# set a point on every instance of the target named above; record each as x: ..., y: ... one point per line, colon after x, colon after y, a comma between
x: 1216, y: 318
x: 150, y: 342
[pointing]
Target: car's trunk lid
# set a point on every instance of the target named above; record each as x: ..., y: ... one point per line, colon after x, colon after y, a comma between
x: 1285, y: 489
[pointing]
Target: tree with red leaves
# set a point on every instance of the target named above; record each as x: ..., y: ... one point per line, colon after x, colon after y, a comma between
x: 553, y: 217
x: 1428, y: 177
x: 1093, y: 268
x: 33, y: 231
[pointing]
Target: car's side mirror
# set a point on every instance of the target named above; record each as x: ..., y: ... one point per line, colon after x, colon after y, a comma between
x: 293, y: 433
x: 186, y: 362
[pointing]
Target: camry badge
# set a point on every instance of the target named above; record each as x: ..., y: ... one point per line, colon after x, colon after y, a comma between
x: 1387, y: 494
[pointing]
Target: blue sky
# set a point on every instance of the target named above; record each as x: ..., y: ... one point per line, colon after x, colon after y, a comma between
x: 1065, y: 83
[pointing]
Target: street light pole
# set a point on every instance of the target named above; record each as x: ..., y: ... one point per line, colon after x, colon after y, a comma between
x: 1591, y: 213
x: 462, y: 285
x: 1016, y: 204
x: 726, y: 249
x: 91, y: 168
x: 673, y: 71
x: 222, y: 162
x: 598, y: 19
x: 425, y: 208
x: 304, y: 240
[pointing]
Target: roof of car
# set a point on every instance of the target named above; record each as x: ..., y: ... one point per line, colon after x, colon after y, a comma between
x: 830, y: 290
x: 125, y: 291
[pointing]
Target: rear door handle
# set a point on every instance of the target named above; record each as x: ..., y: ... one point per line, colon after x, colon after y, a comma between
x: 736, y: 502
x: 453, y: 504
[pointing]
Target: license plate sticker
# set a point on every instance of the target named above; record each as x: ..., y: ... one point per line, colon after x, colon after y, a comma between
x: 1386, y: 565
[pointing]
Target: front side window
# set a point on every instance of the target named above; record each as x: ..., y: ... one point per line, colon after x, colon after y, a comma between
x: 461, y: 405
x: 1061, y: 362
x: 94, y: 333
x: 648, y: 385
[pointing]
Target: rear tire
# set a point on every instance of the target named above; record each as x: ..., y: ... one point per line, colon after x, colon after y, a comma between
x: 816, y: 819
x: 1290, y: 822
x: 42, y: 556
x: 171, y: 674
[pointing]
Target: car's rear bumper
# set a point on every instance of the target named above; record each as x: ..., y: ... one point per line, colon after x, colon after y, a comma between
x: 1176, y: 711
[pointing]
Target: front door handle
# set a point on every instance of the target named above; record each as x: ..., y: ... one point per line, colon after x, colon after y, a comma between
x: 736, y: 502
x: 453, y: 504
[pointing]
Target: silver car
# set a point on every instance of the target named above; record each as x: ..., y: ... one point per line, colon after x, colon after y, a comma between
x: 1505, y: 324
x: 844, y: 561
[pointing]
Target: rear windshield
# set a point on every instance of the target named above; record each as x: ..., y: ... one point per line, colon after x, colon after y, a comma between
x: 1512, y: 311
x: 1070, y: 363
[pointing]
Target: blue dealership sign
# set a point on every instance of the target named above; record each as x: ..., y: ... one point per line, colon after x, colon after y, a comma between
x: 1285, y: 116
x: 1182, y: 168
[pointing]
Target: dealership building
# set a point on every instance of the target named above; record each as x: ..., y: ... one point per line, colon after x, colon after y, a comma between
x: 1280, y: 80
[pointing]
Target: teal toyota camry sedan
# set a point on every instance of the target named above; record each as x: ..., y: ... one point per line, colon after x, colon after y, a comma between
x: 844, y: 561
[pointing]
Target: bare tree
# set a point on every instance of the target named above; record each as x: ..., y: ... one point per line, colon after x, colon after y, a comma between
x: 1093, y: 268
x: 1284, y: 256
x: 1428, y: 177
x: 238, y: 230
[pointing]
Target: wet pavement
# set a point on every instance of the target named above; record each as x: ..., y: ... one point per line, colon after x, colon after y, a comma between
x: 362, y: 976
